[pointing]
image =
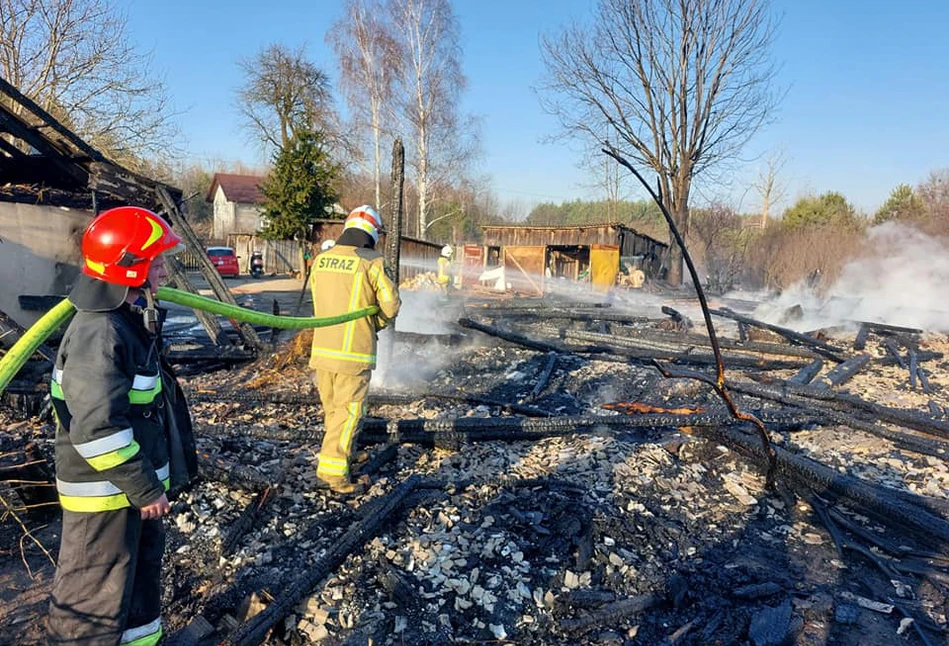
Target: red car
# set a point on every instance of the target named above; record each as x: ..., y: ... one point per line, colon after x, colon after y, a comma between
x: 224, y: 260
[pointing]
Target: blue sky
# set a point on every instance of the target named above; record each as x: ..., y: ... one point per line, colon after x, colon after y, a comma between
x: 866, y: 108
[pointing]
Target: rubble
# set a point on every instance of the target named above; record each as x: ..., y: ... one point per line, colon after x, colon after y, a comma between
x: 604, y: 533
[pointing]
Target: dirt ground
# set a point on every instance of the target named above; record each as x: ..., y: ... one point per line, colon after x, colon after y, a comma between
x: 515, y: 542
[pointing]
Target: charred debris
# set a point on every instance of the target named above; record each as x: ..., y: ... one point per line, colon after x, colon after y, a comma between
x: 545, y: 472
x: 543, y: 475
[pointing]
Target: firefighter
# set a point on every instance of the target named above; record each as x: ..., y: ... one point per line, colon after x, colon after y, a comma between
x: 444, y: 269
x: 123, y: 438
x: 350, y: 276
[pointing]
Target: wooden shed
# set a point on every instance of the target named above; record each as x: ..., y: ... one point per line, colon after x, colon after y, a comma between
x: 534, y: 255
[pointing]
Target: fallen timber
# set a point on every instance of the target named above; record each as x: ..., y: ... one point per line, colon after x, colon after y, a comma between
x: 674, y: 343
x: 375, y: 514
x: 375, y: 398
x: 544, y: 377
x: 844, y: 372
x: 588, y: 316
x: 822, y: 348
x: 679, y: 340
x: 841, y: 543
x: 625, y: 354
x: 827, y: 401
x: 915, y: 420
x: 807, y: 373
x: 809, y: 477
x: 453, y: 433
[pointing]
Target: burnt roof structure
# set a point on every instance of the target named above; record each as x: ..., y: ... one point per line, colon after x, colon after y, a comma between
x: 44, y: 162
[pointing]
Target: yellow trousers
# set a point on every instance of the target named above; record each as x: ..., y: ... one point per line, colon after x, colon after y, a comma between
x: 344, y: 405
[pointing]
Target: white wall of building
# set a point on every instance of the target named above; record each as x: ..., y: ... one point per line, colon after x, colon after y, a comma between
x: 39, y: 253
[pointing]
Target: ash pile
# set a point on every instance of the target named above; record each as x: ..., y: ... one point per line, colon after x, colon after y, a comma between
x: 532, y: 477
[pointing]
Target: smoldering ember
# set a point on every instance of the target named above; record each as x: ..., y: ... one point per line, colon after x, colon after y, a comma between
x: 533, y: 477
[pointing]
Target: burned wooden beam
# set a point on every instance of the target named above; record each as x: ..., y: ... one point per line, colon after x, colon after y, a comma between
x: 246, y: 520
x: 544, y: 377
x: 893, y: 348
x: 683, y: 322
x: 683, y: 346
x: 374, y: 515
x: 454, y: 433
x: 610, y: 614
x: 807, y: 373
x: 860, y: 342
x: 913, y: 362
x: 883, y: 328
x: 638, y: 355
x: 908, y: 418
x: 822, y: 348
x: 236, y: 475
x: 844, y: 372
x: 800, y: 471
x: 247, y: 332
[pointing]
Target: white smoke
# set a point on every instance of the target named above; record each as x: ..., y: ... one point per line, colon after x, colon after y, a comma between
x: 902, y: 280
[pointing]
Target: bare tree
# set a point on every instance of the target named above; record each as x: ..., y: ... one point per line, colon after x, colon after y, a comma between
x: 369, y: 61
x: 74, y: 59
x: 681, y: 84
x: 722, y: 244
x: 430, y: 89
x: 284, y: 95
x: 767, y: 185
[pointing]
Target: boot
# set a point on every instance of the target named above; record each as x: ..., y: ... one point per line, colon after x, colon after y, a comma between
x: 341, y: 486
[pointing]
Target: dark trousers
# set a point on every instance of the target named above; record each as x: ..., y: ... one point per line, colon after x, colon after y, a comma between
x: 107, y: 588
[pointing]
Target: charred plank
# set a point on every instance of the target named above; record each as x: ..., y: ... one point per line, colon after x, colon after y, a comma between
x: 844, y: 372
x: 806, y: 374
x: 375, y: 514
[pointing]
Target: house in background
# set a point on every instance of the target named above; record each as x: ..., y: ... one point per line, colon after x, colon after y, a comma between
x: 238, y: 204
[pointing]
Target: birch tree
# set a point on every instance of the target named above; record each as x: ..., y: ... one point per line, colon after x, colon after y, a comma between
x: 681, y: 85
x: 75, y: 59
x: 768, y: 187
x: 430, y: 88
x: 369, y: 61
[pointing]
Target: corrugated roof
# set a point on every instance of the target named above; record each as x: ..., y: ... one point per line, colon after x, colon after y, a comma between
x: 240, y: 189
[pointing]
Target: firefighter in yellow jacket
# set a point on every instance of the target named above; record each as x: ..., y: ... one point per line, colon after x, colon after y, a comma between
x: 348, y: 277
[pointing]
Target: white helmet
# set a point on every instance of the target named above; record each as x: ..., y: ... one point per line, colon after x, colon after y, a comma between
x: 327, y: 245
x: 365, y: 219
x: 447, y: 251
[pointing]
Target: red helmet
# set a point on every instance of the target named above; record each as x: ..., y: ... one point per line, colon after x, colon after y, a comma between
x: 365, y: 219
x: 120, y: 244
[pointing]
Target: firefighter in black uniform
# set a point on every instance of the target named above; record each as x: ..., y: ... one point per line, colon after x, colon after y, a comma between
x: 123, y: 438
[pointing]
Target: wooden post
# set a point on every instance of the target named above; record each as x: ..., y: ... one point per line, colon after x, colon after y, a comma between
x: 247, y: 332
x: 394, y: 213
x: 393, y: 219
x: 179, y: 276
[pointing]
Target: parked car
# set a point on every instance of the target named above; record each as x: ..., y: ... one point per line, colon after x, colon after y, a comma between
x: 224, y: 260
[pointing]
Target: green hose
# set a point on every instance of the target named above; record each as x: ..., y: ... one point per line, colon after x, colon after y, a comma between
x: 24, y: 348
x: 253, y: 316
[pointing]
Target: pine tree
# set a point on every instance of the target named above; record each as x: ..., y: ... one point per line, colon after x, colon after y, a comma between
x: 300, y: 189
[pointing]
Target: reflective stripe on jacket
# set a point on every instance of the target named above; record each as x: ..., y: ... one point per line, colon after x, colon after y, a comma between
x: 346, y: 279
x: 111, y: 444
x: 444, y: 270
